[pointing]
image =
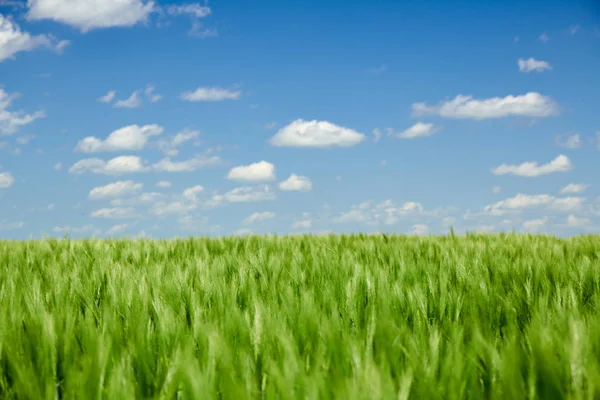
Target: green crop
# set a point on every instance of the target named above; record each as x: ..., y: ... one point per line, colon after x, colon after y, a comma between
x: 301, y: 317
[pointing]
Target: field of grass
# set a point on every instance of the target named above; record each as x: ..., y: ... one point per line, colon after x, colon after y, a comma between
x: 350, y: 317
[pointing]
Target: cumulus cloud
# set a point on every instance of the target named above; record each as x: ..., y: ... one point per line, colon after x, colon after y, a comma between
x: 531, y: 64
x: 163, y: 184
x: 420, y: 229
x: 532, y: 169
x: 296, y: 183
x: 534, y: 225
x: 85, y: 229
x: 544, y: 38
x: 258, y: 217
x: 115, y: 189
x: 193, y: 9
x: 133, y: 101
x: 115, y: 229
x: 9, y: 226
x: 163, y: 208
x: 244, y: 194
x: 91, y: 14
x: 116, y: 166
x: 108, y: 97
x: 531, y: 104
x: 321, y: 134
x: 569, y: 141
x: 387, y: 212
x: 6, y: 180
x: 128, y: 138
x: 13, y: 40
x: 496, y: 189
x: 576, y: 222
x: 192, y: 192
x: 170, y: 147
x: 115, y: 213
x: 192, y: 164
x: 419, y: 129
x: 523, y: 201
x: 302, y: 224
x: 12, y: 121
x: 210, y: 94
x: 151, y: 95
x: 256, y: 172
x: 574, y: 188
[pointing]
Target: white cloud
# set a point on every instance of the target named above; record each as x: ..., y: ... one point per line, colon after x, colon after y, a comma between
x: 569, y: 141
x: 531, y: 64
x: 115, y: 189
x: 128, y: 138
x: 576, y: 222
x: 13, y: 40
x: 11, y: 121
x: 531, y: 104
x: 573, y: 30
x: 25, y: 139
x: 535, y: 224
x: 255, y: 172
x: 9, y: 226
x: 108, y: 97
x: 296, y: 183
x: 152, y: 97
x: 193, y: 9
x: 192, y: 192
x: 91, y: 14
x: 387, y: 212
x: 115, y: 229
x: 6, y: 180
x: 420, y: 229
x: 58, y: 166
x: 448, y: 220
x: 144, y: 198
x: 193, y: 164
x: 419, y: 129
x: 377, y: 70
x: 531, y: 169
x: 522, y: 201
x: 244, y: 194
x: 544, y: 38
x: 302, y: 224
x: 134, y: 101
x: 77, y: 229
x: 114, y: 213
x: 496, y: 189
x: 163, y: 184
x: 376, y: 135
x: 51, y: 207
x: 258, y: 217
x: 574, y: 188
x: 319, y: 134
x: 116, y: 166
x: 174, y: 207
x: 170, y: 147
x: 211, y: 94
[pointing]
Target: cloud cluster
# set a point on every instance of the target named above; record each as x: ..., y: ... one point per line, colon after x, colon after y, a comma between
x: 531, y: 104
x: 320, y: 134
x: 12, y: 121
x: 531, y: 169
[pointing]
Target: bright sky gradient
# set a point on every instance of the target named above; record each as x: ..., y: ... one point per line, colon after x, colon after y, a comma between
x: 126, y: 118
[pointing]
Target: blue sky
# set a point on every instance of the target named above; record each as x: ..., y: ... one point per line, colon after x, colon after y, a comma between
x: 125, y: 118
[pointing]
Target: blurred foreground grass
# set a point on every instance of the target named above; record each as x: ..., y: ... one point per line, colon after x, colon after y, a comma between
x: 351, y: 317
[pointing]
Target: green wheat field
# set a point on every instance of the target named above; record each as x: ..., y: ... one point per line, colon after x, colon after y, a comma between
x: 501, y: 316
